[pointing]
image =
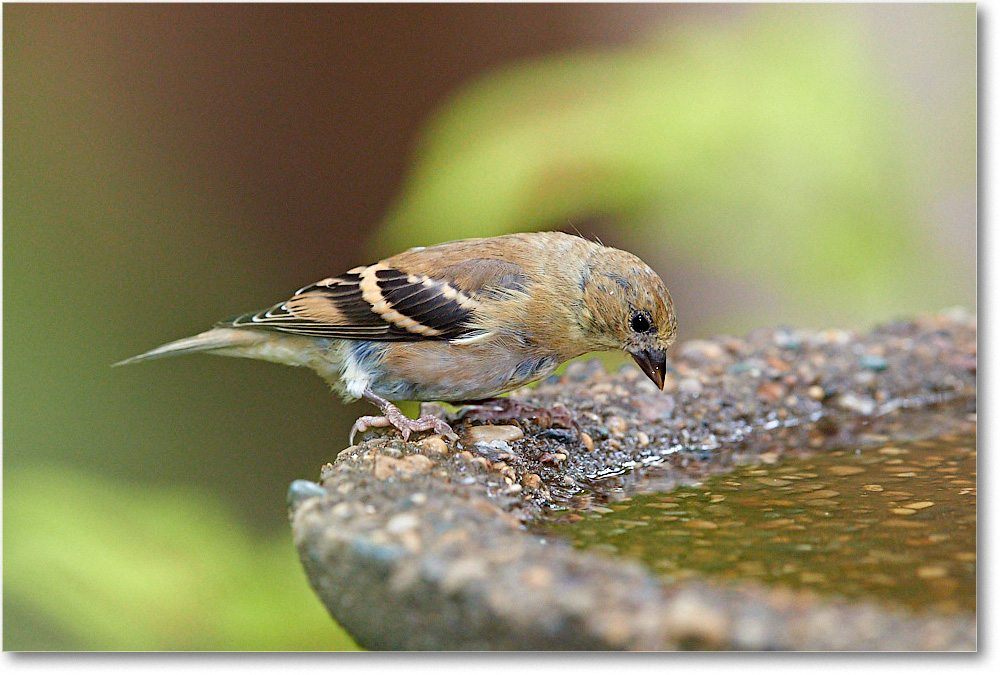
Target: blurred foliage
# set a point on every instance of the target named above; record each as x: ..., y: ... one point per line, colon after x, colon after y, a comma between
x: 91, y: 564
x: 767, y: 149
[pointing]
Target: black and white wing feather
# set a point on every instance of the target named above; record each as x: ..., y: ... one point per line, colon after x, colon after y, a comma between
x: 376, y: 302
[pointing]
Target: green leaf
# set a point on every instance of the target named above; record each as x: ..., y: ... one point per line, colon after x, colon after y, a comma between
x: 93, y: 564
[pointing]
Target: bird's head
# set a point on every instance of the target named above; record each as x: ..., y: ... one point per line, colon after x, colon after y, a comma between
x: 627, y: 307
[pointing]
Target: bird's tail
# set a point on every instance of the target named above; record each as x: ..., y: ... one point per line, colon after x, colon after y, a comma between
x: 218, y: 340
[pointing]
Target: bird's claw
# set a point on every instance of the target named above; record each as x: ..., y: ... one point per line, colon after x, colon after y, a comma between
x: 507, y: 408
x: 404, y: 424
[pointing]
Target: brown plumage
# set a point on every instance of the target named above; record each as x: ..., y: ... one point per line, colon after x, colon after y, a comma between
x: 461, y: 321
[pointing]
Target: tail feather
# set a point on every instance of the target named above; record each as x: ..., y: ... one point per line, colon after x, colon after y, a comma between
x: 211, y: 340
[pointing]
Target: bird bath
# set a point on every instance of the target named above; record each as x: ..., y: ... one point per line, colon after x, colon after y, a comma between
x: 790, y: 489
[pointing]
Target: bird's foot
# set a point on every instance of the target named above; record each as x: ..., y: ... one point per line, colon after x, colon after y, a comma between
x: 393, y: 417
x: 506, y: 408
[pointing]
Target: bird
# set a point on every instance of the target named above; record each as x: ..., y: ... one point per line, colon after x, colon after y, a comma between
x: 461, y: 322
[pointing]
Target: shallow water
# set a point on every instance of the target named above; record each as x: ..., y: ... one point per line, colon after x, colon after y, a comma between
x: 894, y: 523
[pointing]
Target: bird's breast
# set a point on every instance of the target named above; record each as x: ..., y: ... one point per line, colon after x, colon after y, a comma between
x: 442, y: 371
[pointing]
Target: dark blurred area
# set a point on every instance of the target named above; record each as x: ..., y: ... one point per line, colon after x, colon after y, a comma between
x: 166, y: 166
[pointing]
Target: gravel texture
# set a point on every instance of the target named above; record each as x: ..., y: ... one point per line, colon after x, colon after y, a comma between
x: 427, y: 544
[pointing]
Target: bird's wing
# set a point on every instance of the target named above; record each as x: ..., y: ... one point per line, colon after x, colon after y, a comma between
x: 385, y: 303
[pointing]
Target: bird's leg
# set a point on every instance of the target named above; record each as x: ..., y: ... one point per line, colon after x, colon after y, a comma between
x: 505, y: 408
x: 394, y: 417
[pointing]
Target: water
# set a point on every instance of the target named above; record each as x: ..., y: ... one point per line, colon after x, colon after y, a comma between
x: 894, y: 523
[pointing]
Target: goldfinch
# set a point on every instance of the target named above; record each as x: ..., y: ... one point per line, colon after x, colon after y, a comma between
x: 463, y: 321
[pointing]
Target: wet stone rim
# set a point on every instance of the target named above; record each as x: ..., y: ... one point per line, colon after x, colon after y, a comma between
x: 424, y: 545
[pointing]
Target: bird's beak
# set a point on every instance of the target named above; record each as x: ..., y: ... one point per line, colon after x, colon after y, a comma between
x: 653, y: 362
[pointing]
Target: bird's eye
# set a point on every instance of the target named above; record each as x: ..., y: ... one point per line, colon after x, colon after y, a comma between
x: 641, y: 322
